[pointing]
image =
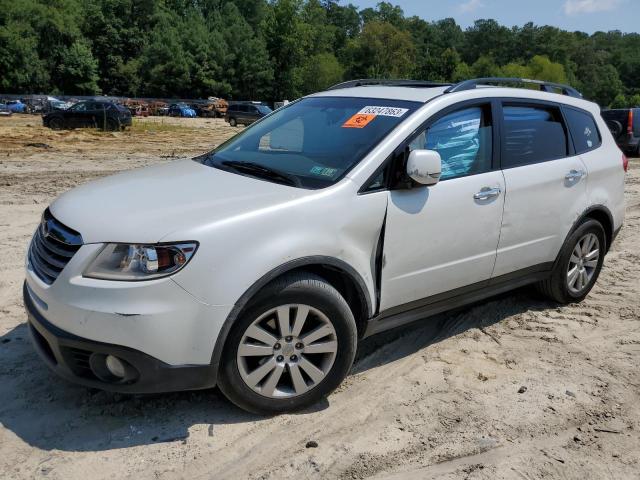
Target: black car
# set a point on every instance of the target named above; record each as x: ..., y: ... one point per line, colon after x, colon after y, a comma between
x: 89, y: 113
x: 624, y: 124
x: 245, y: 113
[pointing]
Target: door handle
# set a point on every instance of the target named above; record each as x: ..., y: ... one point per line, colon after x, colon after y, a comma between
x: 487, y: 192
x: 574, y: 175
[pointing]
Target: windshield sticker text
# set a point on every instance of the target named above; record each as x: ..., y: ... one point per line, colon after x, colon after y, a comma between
x: 323, y: 171
x: 384, y: 111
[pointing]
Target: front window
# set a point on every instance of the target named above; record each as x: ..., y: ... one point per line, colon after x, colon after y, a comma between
x: 78, y: 107
x: 311, y: 143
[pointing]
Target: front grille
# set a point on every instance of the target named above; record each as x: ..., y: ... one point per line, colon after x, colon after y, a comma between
x: 52, y: 247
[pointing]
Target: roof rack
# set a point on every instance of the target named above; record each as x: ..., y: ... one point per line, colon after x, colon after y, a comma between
x: 388, y: 83
x: 544, y: 86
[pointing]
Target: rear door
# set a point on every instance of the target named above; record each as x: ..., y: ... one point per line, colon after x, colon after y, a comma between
x: 545, y: 185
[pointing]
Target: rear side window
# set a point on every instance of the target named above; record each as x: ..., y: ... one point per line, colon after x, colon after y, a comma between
x: 532, y: 134
x: 584, y: 130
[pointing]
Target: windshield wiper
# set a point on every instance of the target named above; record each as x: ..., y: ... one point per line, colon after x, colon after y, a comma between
x: 261, y: 171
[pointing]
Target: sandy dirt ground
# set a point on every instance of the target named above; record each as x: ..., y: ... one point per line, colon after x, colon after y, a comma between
x: 515, y: 387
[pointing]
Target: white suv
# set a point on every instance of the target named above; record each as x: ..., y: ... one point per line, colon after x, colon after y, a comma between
x: 257, y: 267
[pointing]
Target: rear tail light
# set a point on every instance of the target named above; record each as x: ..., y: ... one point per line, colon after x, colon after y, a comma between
x: 630, y: 122
x: 625, y: 162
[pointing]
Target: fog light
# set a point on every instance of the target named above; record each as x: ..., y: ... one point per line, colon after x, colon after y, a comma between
x: 115, y: 366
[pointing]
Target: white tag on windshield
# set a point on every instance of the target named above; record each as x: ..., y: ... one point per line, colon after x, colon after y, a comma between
x: 384, y: 111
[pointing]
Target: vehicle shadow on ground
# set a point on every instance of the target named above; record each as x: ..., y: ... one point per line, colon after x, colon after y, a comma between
x: 48, y: 413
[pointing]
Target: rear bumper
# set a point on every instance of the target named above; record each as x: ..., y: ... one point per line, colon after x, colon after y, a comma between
x: 79, y: 360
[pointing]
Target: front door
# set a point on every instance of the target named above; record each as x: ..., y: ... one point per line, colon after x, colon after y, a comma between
x: 444, y: 237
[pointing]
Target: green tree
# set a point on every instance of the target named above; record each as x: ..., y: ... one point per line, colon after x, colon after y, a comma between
x: 78, y: 70
x: 382, y: 51
x: 319, y: 72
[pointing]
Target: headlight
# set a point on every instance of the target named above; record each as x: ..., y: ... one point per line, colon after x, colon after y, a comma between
x: 120, y: 261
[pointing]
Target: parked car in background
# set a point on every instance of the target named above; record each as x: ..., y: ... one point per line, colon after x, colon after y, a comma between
x: 624, y: 124
x: 5, y: 111
x: 260, y: 265
x: 89, y: 113
x: 16, y: 106
x: 245, y: 113
x: 181, y: 110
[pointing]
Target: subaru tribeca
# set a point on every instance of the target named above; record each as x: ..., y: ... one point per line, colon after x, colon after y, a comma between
x: 258, y: 266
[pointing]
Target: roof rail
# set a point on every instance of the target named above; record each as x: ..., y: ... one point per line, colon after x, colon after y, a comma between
x: 544, y: 86
x: 388, y: 83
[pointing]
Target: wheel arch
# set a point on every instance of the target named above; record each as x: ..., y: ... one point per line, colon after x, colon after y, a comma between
x: 601, y: 214
x: 342, y: 276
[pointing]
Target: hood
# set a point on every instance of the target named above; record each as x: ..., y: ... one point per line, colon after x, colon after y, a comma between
x: 145, y: 205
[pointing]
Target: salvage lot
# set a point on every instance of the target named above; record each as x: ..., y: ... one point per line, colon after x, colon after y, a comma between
x: 443, y: 399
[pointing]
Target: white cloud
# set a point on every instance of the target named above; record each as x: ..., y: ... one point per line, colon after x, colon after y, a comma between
x: 470, y: 6
x: 573, y: 7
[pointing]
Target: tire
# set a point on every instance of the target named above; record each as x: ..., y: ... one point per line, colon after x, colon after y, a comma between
x: 55, y: 123
x: 287, y: 382
x: 233, y: 122
x: 111, y: 125
x: 615, y: 127
x: 561, y: 285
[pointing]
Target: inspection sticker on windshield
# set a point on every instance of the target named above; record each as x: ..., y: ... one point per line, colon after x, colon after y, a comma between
x: 324, y: 171
x: 384, y: 111
x: 359, y: 120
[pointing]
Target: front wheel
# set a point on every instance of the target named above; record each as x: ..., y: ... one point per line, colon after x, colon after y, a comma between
x: 293, y: 346
x: 56, y: 123
x: 578, y: 265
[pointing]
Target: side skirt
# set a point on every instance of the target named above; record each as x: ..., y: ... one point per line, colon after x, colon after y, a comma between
x: 427, y: 307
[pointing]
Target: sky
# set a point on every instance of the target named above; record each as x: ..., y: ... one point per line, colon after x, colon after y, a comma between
x: 584, y: 15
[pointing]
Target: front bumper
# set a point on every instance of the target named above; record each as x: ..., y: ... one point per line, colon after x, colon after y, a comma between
x: 79, y: 360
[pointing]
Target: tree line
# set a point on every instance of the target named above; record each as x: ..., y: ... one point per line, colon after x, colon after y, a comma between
x: 282, y: 49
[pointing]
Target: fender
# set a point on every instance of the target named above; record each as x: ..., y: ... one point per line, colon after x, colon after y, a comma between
x: 276, y: 272
x: 608, y: 229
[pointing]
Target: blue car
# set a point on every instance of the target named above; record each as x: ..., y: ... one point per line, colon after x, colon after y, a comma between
x: 181, y: 110
x: 16, y: 106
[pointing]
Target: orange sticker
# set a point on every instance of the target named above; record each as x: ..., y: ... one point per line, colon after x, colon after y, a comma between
x: 359, y: 120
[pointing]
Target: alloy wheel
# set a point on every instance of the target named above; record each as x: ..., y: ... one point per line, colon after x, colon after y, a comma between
x: 583, y: 263
x: 287, y: 351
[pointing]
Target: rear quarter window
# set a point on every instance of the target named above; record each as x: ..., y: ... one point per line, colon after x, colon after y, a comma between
x: 583, y: 128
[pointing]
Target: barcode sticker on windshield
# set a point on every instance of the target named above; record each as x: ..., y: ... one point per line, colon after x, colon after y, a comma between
x: 384, y: 111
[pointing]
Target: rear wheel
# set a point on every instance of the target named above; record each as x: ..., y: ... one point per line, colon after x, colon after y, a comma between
x: 292, y: 346
x: 578, y: 265
x: 233, y: 122
x: 111, y: 125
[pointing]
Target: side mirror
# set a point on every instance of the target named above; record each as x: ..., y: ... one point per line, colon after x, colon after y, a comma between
x: 424, y: 166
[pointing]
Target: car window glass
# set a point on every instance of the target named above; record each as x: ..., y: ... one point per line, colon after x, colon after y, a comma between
x: 532, y: 135
x: 285, y: 138
x: 463, y: 139
x: 315, y: 140
x: 244, y: 108
x: 79, y: 107
x: 583, y: 130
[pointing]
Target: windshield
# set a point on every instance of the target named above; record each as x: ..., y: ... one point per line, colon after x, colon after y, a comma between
x: 312, y: 142
x: 264, y: 109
